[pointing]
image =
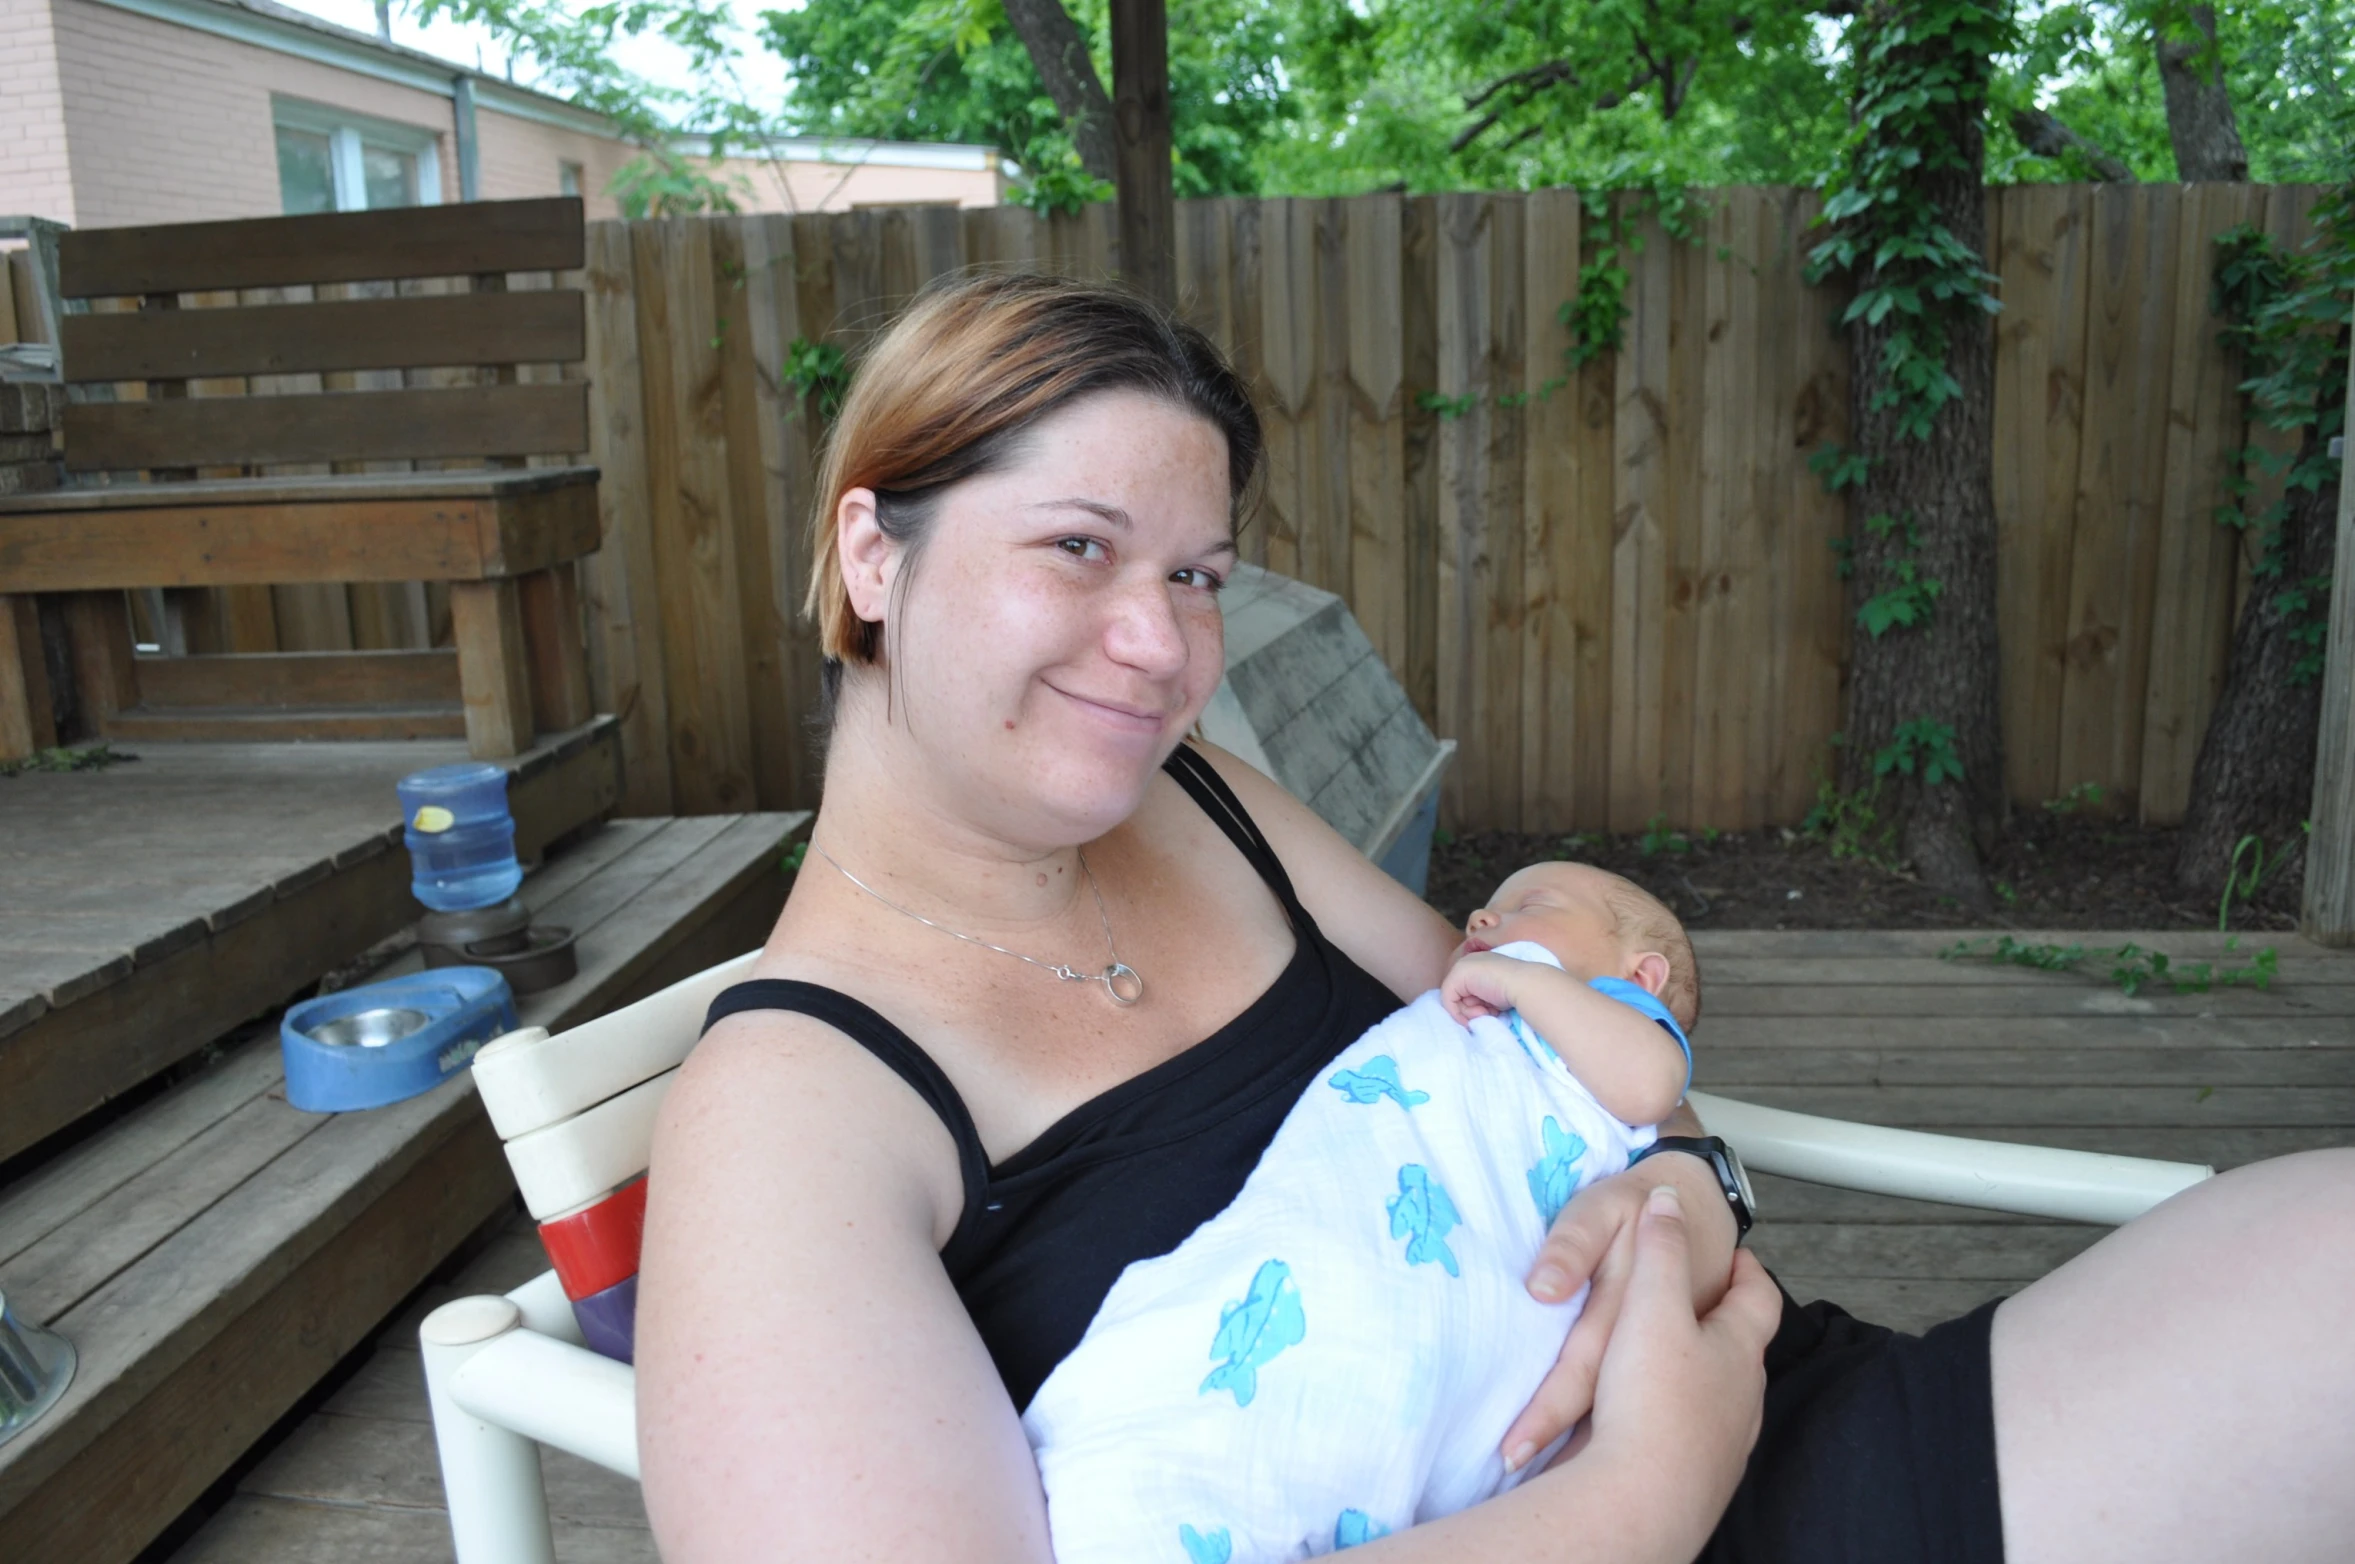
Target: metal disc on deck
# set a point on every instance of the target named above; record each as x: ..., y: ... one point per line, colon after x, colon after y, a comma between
x: 36, y: 1365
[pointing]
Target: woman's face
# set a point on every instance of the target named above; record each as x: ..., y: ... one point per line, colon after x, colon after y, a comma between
x: 1060, y: 631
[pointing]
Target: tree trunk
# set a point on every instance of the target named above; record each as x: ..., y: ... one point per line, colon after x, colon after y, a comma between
x: 1059, y: 51
x: 2200, y: 121
x: 2255, y: 772
x: 1930, y: 504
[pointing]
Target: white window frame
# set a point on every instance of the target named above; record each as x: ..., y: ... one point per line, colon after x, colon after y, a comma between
x: 347, y: 132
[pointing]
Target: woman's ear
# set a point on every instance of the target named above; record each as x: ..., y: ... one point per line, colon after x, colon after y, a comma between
x: 868, y: 557
x: 1650, y: 973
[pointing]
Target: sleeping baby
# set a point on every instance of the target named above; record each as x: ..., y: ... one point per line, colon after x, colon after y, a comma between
x: 1340, y: 1352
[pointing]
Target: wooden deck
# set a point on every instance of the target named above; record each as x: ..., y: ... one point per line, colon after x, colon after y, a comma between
x: 1869, y: 1026
x: 147, y: 908
x: 214, y: 1253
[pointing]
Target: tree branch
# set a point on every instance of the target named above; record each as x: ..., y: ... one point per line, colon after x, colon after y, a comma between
x: 1059, y: 51
x: 2046, y: 136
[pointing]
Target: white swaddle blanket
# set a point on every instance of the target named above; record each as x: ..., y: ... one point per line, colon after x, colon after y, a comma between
x: 1340, y: 1351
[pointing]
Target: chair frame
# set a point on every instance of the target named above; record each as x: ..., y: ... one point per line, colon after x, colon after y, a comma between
x: 506, y: 1374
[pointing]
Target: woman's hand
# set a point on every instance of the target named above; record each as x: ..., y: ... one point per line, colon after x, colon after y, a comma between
x: 1679, y: 1400
x: 1594, y: 1240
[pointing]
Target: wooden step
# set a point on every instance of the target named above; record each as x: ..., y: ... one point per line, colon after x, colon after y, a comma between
x: 148, y: 908
x: 213, y: 1254
x: 282, y: 724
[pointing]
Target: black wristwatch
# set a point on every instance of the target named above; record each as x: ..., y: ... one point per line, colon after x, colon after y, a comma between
x: 1732, y: 1177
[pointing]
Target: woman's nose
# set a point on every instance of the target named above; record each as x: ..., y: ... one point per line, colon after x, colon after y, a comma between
x: 1145, y: 633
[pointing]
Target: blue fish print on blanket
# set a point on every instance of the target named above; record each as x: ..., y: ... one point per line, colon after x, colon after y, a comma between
x: 1379, y: 1079
x: 1550, y: 1182
x: 1422, y: 1214
x: 1216, y: 1548
x: 1354, y: 1527
x: 1263, y: 1324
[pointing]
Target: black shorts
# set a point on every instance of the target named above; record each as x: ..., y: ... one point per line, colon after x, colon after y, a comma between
x: 1876, y: 1447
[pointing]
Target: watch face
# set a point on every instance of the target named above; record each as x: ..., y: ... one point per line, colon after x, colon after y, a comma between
x: 1741, y: 1177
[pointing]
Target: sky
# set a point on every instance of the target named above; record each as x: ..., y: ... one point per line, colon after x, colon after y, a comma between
x: 657, y: 61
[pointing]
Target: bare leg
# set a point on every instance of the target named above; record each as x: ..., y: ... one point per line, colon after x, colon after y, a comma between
x: 2185, y: 1389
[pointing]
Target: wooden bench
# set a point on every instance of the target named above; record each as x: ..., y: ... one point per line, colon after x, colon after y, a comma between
x: 216, y: 1252
x: 422, y: 353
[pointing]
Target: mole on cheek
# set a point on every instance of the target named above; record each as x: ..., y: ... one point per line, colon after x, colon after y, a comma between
x: 1009, y: 724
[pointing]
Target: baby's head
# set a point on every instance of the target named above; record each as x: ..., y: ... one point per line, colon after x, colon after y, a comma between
x: 1597, y: 925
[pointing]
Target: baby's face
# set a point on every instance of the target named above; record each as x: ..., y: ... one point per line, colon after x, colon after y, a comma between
x: 1558, y: 905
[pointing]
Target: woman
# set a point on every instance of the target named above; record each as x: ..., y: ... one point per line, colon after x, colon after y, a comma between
x: 1050, y: 978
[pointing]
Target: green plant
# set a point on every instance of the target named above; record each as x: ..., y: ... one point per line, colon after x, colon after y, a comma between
x: 1911, y: 272
x: 661, y: 183
x: 1657, y: 839
x: 1838, y: 468
x: 1061, y: 186
x: 2130, y: 966
x: 93, y: 757
x: 817, y: 372
x: 2006, y: 894
x: 1449, y: 407
x: 1924, y: 745
x: 795, y: 854
x: 1849, y: 824
x: 2084, y: 796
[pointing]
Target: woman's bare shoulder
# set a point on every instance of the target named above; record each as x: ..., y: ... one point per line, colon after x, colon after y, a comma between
x: 1384, y: 927
x: 805, y: 1366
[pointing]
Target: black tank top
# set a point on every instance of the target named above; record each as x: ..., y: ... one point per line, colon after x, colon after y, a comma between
x: 1128, y: 1174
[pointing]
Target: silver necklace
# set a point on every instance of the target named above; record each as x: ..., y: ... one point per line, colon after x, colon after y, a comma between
x: 1120, y: 980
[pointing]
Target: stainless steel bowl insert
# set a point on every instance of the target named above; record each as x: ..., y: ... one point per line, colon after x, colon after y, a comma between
x: 370, y: 1028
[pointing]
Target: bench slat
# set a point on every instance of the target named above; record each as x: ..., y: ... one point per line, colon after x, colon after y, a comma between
x: 514, y: 420
x: 306, y: 679
x: 427, y: 331
x: 460, y: 240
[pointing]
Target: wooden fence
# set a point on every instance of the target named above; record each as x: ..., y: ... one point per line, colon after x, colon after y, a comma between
x: 1619, y: 593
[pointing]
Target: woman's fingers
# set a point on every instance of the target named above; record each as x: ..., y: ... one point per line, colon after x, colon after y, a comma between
x: 1752, y: 1308
x: 1568, y: 1391
x: 1581, y: 1237
x: 1663, y: 1275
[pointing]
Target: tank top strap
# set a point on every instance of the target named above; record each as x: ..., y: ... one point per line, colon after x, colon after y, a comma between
x: 1210, y: 791
x: 865, y: 1026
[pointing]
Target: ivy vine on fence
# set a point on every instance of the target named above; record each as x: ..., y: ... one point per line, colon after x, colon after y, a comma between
x: 2286, y: 313
x: 1915, y: 66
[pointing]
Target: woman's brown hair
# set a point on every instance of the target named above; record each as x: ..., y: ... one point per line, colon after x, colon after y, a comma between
x: 952, y: 388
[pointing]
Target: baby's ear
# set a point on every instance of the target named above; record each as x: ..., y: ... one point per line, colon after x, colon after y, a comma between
x: 1650, y: 973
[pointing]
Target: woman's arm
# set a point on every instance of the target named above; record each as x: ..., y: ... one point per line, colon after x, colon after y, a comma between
x: 1381, y: 925
x: 808, y: 1383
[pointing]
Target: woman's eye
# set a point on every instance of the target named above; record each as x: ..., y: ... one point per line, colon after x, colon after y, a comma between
x: 1082, y: 548
x: 1196, y: 576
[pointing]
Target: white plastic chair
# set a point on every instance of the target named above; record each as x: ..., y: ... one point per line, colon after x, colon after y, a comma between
x: 508, y: 1374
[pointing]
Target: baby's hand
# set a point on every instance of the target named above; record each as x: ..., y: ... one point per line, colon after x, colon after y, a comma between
x: 1480, y: 984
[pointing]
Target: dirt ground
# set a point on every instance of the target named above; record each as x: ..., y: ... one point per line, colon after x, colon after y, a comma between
x: 2051, y: 872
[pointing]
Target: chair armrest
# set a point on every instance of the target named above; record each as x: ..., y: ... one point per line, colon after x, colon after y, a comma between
x: 546, y: 1310
x: 2079, y: 1186
x: 563, y: 1396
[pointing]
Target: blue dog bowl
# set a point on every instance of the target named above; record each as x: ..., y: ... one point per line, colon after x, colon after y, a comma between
x: 386, y: 1042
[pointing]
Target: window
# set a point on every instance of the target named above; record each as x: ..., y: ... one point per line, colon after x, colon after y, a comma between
x: 330, y: 161
x: 568, y: 179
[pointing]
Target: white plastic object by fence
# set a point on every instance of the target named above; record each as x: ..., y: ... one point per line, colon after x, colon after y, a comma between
x: 2078, y: 1186
x: 529, y: 1080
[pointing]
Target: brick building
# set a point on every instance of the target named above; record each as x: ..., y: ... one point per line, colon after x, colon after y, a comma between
x: 117, y: 112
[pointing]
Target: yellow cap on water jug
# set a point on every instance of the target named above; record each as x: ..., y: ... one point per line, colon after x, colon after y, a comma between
x: 432, y: 818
